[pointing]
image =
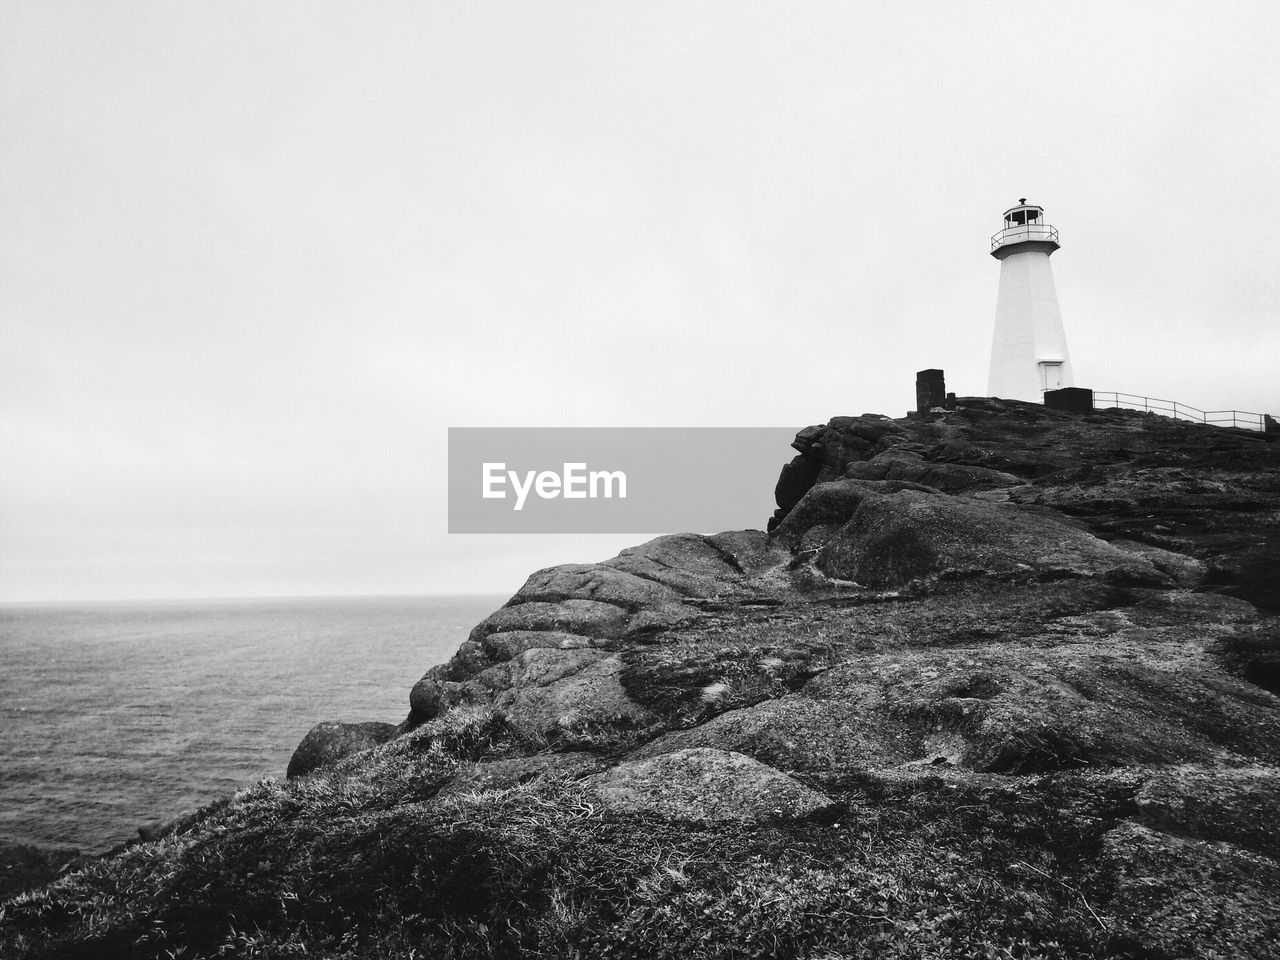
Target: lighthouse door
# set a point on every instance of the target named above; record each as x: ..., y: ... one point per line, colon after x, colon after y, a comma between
x: 1050, y: 375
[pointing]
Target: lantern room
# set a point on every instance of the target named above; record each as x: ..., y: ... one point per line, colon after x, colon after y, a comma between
x: 1023, y: 224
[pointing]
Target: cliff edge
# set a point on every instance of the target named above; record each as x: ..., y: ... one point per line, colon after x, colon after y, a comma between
x: 999, y: 682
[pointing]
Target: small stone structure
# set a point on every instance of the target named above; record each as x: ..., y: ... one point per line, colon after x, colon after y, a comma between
x: 931, y: 390
x: 1070, y: 399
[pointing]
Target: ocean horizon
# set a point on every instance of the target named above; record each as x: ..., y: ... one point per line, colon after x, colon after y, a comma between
x: 118, y: 714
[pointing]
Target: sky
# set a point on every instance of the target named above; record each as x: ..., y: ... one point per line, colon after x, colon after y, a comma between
x: 257, y: 258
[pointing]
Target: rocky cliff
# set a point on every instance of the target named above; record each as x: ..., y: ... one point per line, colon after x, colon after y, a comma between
x: 1000, y: 682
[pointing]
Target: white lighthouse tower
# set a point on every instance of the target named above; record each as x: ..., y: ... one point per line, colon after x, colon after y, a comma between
x: 1029, y: 349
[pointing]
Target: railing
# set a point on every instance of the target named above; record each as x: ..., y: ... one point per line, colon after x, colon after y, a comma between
x: 1030, y: 231
x: 1170, y: 408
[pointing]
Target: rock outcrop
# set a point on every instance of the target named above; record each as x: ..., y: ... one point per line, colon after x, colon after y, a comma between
x: 1000, y: 681
x: 328, y: 742
x: 705, y: 784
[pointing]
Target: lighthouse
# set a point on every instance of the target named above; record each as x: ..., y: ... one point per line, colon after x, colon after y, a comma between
x: 1029, y: 348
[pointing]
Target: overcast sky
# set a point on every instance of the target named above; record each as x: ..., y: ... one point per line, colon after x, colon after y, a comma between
x: 256, y: 258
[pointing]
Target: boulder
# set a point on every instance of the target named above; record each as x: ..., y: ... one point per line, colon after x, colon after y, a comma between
x: 470, y: 658
x: 894, y: 539
x: 501, y: 647
x: 706, y: 785
x: 747, y: 551
x: 794, y: 481
x: 562, y: 693
x: 947, y: 477
x: 698, y: 566
x: 825, y: 452
x: 800, y: 734
x: 588, y: 618
x: 327, y: 743
x: 568, y: 695
x: 832, y: 504
x: 434, y: 693
x: 596, y: 582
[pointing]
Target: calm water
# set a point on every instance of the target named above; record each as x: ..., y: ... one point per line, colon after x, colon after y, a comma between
x: 116, y: 715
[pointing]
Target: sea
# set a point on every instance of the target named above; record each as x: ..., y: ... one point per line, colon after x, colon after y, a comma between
x: 120, y: 715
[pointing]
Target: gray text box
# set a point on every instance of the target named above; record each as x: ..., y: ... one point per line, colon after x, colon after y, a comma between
x: 677, y: 479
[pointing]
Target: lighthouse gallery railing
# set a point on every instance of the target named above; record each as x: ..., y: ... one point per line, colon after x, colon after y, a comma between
x: 1030, y: 231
